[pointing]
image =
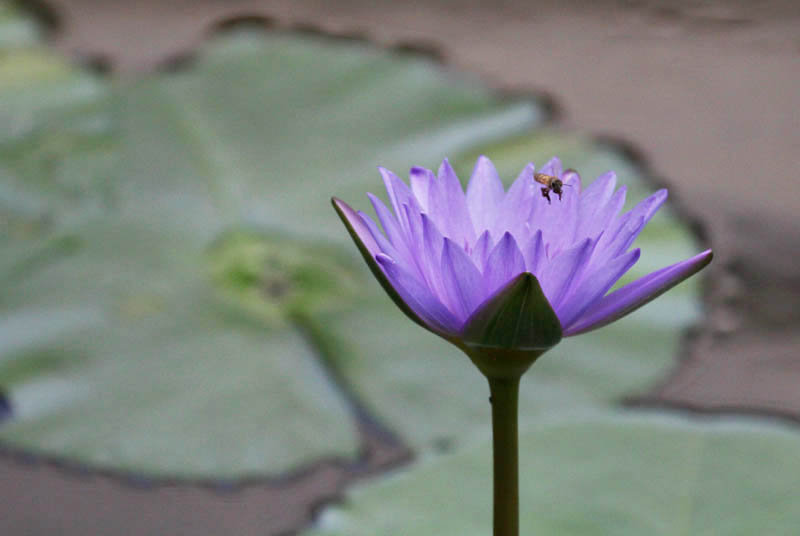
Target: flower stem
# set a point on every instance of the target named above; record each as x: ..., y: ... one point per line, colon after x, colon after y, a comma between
x: 505, y: 400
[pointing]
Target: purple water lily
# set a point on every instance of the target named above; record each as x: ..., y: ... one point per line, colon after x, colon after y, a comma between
x: 447, y: 257
x: 504, y: 275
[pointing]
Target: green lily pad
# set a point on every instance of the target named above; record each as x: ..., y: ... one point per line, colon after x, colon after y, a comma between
x: 163, y: 243
x: 610, y: 474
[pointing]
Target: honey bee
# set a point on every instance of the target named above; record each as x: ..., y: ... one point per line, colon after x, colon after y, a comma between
x: 551, y: 183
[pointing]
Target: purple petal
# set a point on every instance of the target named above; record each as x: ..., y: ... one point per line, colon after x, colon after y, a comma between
x: 383, y: 244
x: 557, y: 219
x: 481, y: 250
x: 362, y: 233
x: 630, y: 225
x: 599, y: 192
x: 399, y: 195
x: 633, y: 295
x: 516, y: 206
x: 564, y: 233
x: 393, y: 231
x: 448, y: 207
x: 535, y: 254
x: 396, y: 189
x: 606, y: 214
x: 432, y: 257
x: 462, y: 281
x: 417, y: 237
x: 421, y: 180
x: 560, y: 272
x: 505, y: 262
x: 594, y: 286
x: 367, y: 247
x: 593, y: 202
x: 417, y: 297
x: 553, y: 167
x: 484, y: 194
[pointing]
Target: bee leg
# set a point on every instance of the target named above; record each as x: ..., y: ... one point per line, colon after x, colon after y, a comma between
x: 559, y: 195
x: 546, y: 194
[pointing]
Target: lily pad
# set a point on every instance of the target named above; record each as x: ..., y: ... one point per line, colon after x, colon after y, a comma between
x: 164, y: 238
x: 609, y: 474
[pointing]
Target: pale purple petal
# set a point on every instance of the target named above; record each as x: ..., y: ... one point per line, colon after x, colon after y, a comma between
x: 552, y: 167
x: 393, y: 231
x: 363, y: 233
x: 484, y: 194
x: 605, y: 214
x: 535, y: 254
x: 558, y: 219
x: 516, y: 206
x: 399, y: 195
x: 417, y: 238
x: 560, y: 272
x: 481, y: 250
x: 418, y: 297
x: 594, y: 286
x: 633, y: 295
x: 599, y: 192
x: 432, y: 261
x: 631, y: 224
x: 383, y: 244
x: 505, y: 262
x: 593, y: 201
x: 566, y: 222
x: 421, y: 181
x: 462, y: 281
x: 448, y: 207
x: 363, y: 237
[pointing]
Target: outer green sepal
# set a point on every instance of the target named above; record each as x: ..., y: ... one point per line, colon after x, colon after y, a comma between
x: 509, y: 331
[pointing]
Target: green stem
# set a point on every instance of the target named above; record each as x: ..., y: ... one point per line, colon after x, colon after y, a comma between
x: 504, y: 399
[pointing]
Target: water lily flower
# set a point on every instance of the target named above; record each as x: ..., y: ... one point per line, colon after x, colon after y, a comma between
x: 504, y: 275
x: 456, y: 262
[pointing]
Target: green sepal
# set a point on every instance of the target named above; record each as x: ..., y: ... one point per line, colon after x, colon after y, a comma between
x: 509, y: 331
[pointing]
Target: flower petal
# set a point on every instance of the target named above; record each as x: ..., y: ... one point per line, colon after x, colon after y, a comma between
x: 633, y: 295
x: 625, y: 229
x: 518, y: 316
x: 399, y: 195
x: 425, y: 309
x: 397, y: 237
x: 448, y: 207
x: 593, y: 202
x: 432, y: 244
x: 516, y: 206
x: 553, y: 167
x: 358, y: 230
x: 462, y: 281
x: 383, y: 244
x: 504, y: 263
x: 481, y: 250
x: 484, y: 194
x: 535, y: 254
x: 369, y: 250
x: 562, y: 271
x: 421, y: 180
x: 594, y: 286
